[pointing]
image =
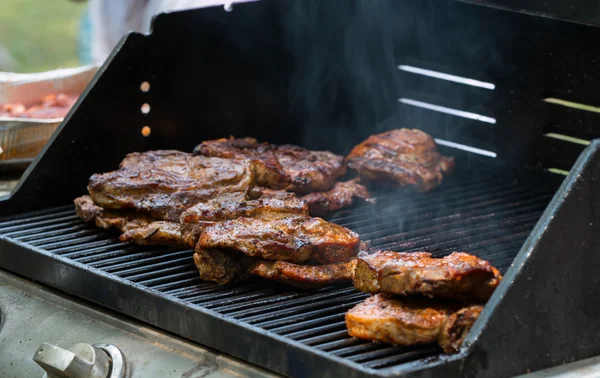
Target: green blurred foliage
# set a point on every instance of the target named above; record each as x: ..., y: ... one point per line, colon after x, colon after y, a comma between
x: 40, y: 35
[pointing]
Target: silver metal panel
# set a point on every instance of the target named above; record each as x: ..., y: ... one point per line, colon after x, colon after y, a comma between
x: 33, y: 314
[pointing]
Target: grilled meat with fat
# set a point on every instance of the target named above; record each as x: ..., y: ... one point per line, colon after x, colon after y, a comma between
x: 261, y: 203
x: 286, y: 167
x: 163, y: 184
x: 224, y: 266
x: 136, y: 227
x: 274, y: 226
x: 304, y: 276
x: 340, y: 196
x: 403, y: 156
x: 412, y: 321
x: 457, y: 276
x: 294, y: 239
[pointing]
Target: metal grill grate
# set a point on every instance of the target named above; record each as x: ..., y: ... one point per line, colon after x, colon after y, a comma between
x: 488, y: 215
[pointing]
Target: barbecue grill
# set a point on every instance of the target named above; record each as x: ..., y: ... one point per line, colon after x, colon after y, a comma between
x: 509, y: 94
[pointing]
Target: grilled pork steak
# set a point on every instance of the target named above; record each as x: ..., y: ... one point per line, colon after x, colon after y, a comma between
x: 340, y: 196
x: 224, y: 266
x: 264, y: 204
x: 288, y: 167
x: 274, y: 226
x: 294, y: 239
x: 412, y: 321
x: 403, y: 156
x: 457, y: 276
x: 163, y: 184
x: 136, y: 227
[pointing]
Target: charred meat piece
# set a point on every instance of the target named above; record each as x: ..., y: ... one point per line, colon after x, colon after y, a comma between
x: 412, y: 321
x: 294, y: 239
x: 304, y: 276
x: 264, y: 203
x: 268, y: 170
x: 163, y: 184
x: 224, y: 266
x: 403, y: 156
x: 342, y: 195
x: 136, y: 227
x: 220, y: 266
x: 457, y: 276
x: 288, y: 167
x: 274, y: 226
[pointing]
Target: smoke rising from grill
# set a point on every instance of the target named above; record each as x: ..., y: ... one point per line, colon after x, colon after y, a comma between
x: 345, y: 83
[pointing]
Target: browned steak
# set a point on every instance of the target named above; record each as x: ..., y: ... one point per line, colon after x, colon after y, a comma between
x: 294, y: 239
x: 457, y: 276
x: 286, y: 167
x: 274, y: 226
x: 340, y: 196
x: 136, y: 227
x: 264, y: 204
x: 163, y: 184
x: 224, y: 266
x: 403, y: 156
x: 412, y: 321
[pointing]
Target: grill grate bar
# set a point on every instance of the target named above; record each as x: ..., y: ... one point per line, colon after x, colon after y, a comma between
x: 51, y: 236
x: 88, y: 249
x: 300, y: 335
x: 459, y: 220
x: 27, y: 220
x: 384, y: 197
x: 331, y: 307
x: 231, y: 296
x: 43, y: 226
x: 413, y: 210
x: 165, y: 279
x: 244, y: 308
x: 106, y: 255
x: 357, y: 351
x: 178, y: 284
x: 380, y: 352
x: 413, y: 354
x: 152, y: 266
x: 308, y: 324
x: 337, y: 335
x: 257, y: 312
x: 130, y: 262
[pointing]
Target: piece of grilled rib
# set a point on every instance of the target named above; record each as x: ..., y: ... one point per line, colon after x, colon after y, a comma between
x: 403, y: 156
x: 412, y: 321
x: 224, y: 266
x: 259, y: 203
x: 270, y: 224
x: 164, y: 183
x: 287, y: 167
x: 136, y: 227
x: 457, y: 276
x: 294, y: 239
x: 340, y: 196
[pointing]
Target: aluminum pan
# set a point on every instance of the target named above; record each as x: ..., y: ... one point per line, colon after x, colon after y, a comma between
x: 25, y: 137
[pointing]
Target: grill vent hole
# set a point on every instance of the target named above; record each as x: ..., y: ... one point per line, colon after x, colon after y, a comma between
x: 146, y: 131
x: 145, y: 86
x: 145, y: 108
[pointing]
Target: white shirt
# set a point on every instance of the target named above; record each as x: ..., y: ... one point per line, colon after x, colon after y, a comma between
x: 112, y: 19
